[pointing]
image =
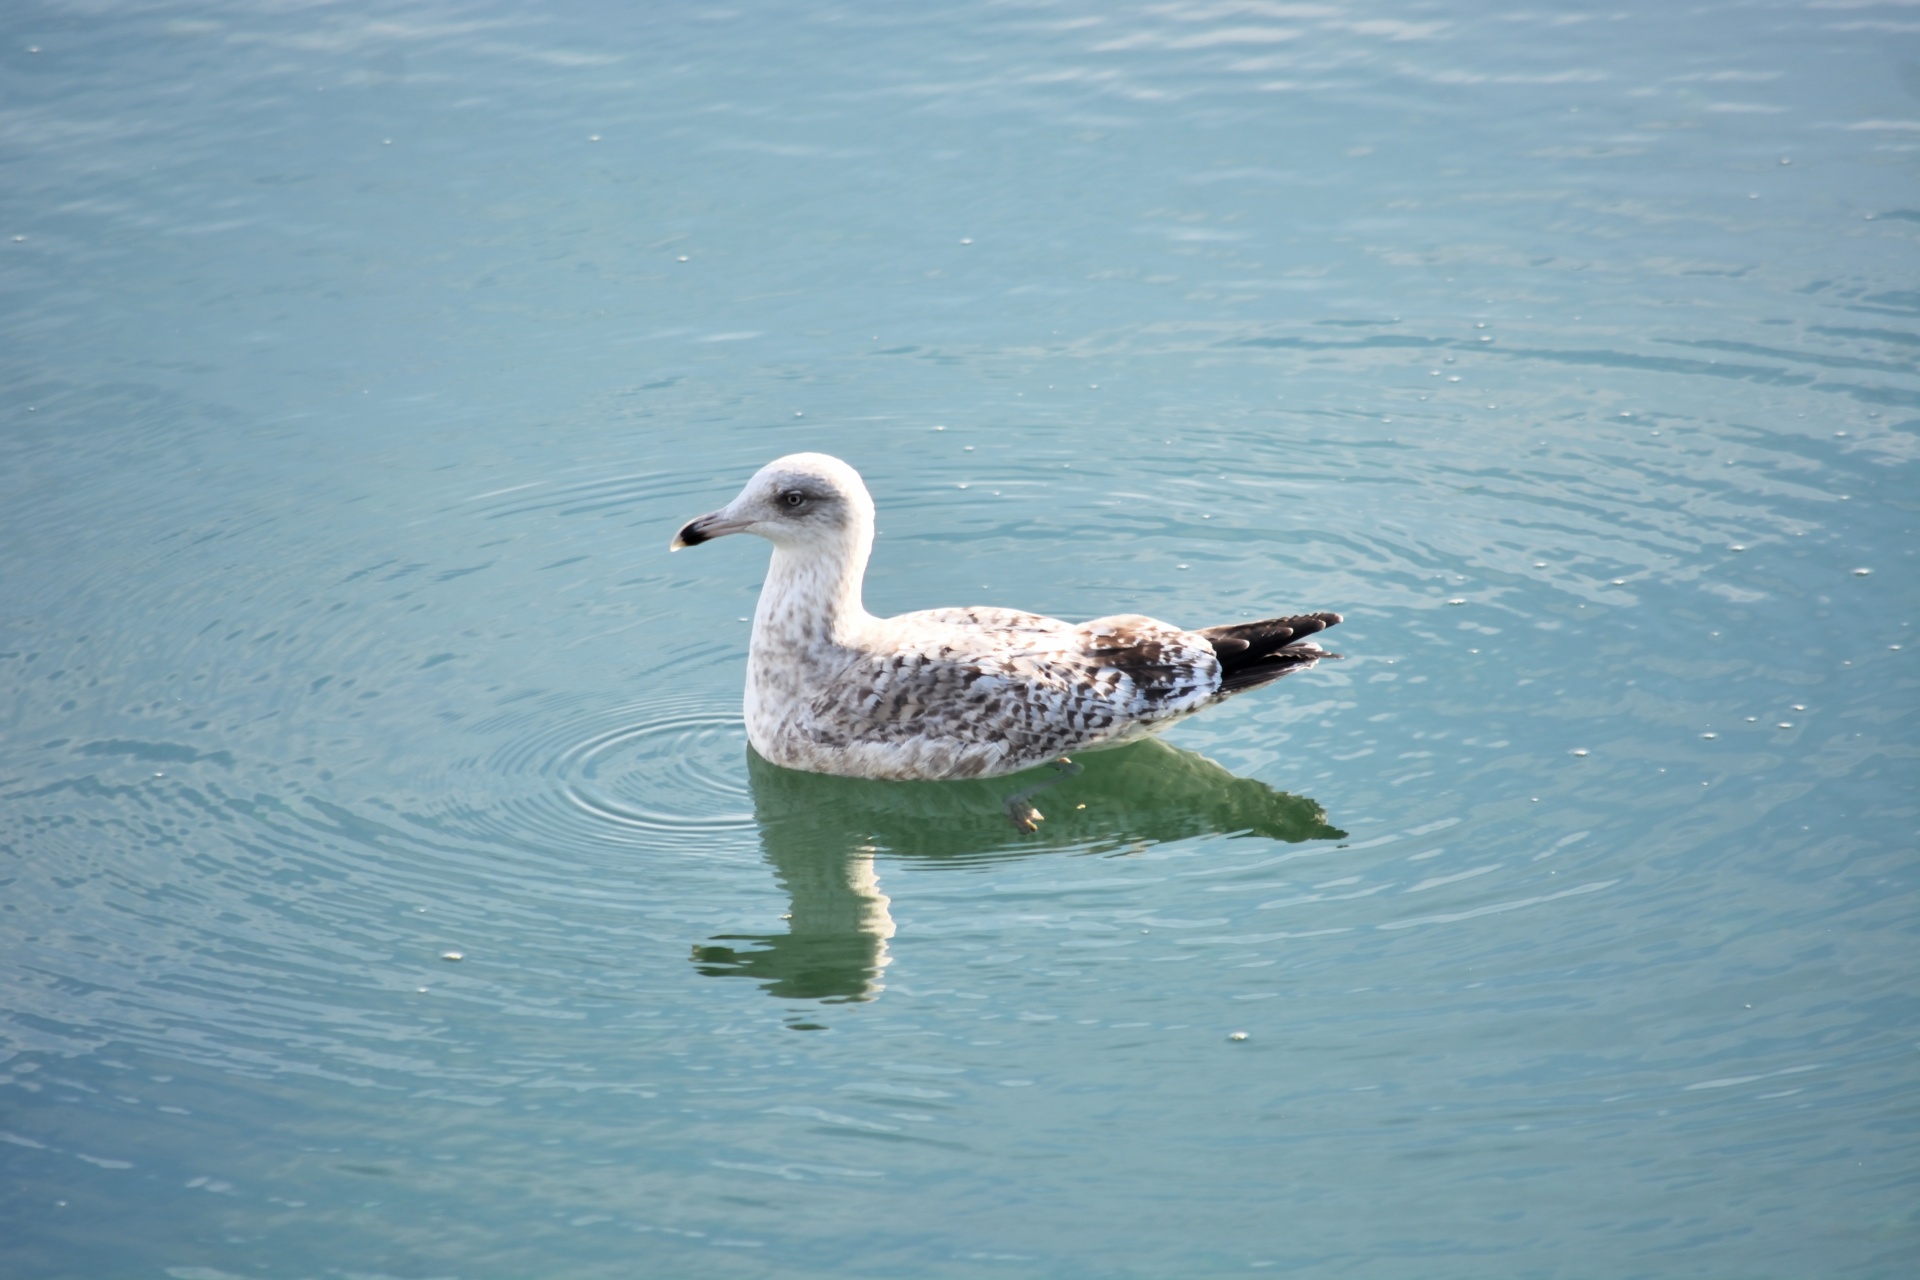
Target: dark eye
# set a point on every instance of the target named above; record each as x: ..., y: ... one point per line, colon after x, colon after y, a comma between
x: 794, y: 499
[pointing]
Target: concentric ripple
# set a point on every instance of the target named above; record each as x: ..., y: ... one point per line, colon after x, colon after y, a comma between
x: 659, y: 776
x: 668, y: 776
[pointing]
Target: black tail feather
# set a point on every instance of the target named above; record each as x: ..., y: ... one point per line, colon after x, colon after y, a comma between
x: 1254, y: 653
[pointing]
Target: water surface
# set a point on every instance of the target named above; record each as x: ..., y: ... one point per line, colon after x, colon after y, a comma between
x: 357, y: 363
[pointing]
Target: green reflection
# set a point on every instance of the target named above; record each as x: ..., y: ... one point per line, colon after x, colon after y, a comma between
x: 821, y: 835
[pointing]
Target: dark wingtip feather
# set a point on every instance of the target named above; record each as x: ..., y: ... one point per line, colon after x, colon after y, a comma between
x: 1256, y: 653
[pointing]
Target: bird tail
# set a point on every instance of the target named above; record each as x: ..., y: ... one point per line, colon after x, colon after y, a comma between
x: 1255, y: 653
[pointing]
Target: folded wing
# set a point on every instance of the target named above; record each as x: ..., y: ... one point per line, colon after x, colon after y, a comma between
x: 1255, y: 653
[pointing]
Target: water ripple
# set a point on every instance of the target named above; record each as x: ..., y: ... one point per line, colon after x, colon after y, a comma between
x: 664, y: 777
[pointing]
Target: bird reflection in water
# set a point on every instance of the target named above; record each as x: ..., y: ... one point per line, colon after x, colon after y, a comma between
x: 821, y: 834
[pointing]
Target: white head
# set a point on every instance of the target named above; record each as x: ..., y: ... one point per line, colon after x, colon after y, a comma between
x: 805, y: 503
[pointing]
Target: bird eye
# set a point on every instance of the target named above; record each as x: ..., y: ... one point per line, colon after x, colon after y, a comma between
x: 794, y: 498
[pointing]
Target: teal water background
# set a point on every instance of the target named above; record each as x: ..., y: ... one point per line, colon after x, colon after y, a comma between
x: 358, y: 361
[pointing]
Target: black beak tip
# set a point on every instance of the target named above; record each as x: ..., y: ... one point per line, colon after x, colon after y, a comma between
x: 689, y: 536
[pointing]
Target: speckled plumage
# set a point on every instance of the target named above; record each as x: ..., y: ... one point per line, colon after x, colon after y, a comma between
x: 957, y: 692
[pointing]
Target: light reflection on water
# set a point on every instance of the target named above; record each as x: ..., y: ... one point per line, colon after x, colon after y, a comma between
x: 357, y: 365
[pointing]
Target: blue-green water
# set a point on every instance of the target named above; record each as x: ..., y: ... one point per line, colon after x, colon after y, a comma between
x: 358, y: 362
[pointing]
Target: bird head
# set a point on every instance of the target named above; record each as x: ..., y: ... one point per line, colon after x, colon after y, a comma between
x: 804, y: 501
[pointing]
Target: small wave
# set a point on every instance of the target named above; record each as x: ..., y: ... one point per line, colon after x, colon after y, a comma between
x: 674, y: 775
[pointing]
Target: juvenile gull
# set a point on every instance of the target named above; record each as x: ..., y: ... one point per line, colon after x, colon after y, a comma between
x: 953, y: 693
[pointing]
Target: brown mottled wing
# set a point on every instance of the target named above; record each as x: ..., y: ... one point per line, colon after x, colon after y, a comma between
x: 983, y: 618
x: 1027, y: 687
x: 1151, y: 670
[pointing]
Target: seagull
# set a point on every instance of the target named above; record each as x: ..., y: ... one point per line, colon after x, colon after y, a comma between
x: 968, y: 692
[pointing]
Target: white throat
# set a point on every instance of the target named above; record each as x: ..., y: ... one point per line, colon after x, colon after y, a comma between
x: 809, y: 624
x: 811, y: 598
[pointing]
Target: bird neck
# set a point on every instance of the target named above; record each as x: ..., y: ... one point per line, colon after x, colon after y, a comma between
x: 811, y: 599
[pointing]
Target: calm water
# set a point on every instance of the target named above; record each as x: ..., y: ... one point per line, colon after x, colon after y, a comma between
x: 358, y: 362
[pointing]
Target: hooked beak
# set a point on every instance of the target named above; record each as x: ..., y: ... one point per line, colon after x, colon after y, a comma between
x: 715, y: 524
